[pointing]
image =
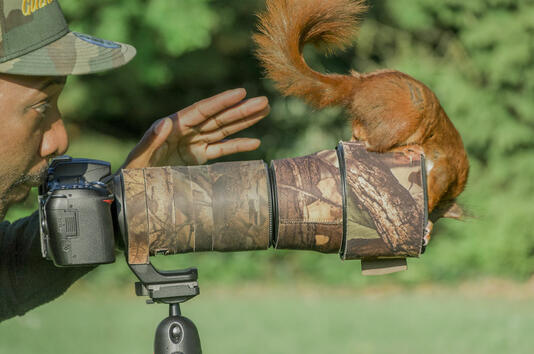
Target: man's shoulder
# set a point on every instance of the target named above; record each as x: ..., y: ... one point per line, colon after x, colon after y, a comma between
x: 28, y: 224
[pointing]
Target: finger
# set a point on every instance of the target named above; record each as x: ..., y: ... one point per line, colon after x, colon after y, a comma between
x: 232, y: 146
x: 233, y: 128
x: 204, y: 109
x: 152, y: 140
x: 238, y: 112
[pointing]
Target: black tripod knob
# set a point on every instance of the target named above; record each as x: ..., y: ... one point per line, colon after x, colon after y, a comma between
x: 177, y: 334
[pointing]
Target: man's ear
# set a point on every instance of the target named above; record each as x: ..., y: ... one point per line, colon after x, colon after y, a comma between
x: 449, y: 210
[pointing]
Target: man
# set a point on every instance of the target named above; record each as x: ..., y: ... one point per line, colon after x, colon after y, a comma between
x: 37, y: 52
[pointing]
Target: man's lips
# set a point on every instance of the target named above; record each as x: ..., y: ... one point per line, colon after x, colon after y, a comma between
x: 29, y: 181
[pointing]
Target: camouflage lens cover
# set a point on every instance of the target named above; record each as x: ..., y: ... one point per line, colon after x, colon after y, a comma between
x: 360, y: 204
x: 310, y: 206
x: 385, y: 203
x: 219, y: 207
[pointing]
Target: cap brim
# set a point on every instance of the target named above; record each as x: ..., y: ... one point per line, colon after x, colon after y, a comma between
x: 72, y: 54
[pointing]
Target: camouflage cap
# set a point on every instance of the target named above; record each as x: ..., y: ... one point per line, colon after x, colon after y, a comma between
x: 35, y: 40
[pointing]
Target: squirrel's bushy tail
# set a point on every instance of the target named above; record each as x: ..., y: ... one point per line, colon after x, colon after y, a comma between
x: 287, y: 25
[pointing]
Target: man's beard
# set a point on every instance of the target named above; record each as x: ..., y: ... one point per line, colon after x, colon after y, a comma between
x: 28, y: 180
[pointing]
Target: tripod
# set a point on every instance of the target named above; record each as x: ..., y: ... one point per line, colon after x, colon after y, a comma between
x: 175, y: 334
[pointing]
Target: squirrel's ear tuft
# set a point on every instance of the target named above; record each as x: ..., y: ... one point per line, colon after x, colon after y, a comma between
x: 454, y: 211
x: 449, y: 210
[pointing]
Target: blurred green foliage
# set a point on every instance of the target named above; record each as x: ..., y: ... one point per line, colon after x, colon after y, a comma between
x: 476, y: 55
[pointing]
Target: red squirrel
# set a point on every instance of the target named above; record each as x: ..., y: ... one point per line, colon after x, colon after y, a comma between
x: 389, y: 110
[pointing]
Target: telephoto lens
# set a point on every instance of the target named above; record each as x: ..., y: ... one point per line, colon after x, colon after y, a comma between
x: 359, y: 204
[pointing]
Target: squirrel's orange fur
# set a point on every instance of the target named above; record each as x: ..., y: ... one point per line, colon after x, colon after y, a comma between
x: 389, y: 110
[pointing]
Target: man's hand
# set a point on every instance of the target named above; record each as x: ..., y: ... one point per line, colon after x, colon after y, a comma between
x: 197, y: 133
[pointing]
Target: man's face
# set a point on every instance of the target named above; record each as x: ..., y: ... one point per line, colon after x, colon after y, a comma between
x: 31, y: 132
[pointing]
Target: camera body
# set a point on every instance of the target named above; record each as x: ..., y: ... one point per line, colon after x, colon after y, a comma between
x: 75, y: 210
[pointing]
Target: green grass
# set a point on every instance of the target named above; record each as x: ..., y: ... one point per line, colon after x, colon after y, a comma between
x: 263, y: 319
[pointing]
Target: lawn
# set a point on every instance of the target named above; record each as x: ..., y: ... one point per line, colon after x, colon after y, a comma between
x: 471, y: 318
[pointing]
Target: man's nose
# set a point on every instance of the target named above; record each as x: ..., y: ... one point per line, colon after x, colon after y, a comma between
x: 55, y: 140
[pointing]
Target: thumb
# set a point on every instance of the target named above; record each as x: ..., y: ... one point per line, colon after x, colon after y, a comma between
x: 153, y: 139
x: 160, y: 132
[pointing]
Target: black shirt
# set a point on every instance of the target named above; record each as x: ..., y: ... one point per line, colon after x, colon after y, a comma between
x: 27, y: 280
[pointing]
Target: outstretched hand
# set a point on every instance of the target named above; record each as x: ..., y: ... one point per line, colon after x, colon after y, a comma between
x: 198, y: 133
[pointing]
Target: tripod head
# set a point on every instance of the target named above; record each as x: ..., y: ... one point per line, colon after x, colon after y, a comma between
x: 175, y: 334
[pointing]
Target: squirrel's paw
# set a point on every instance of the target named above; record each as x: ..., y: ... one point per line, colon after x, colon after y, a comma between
x: 428, y: 230
x: 412, y: 152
